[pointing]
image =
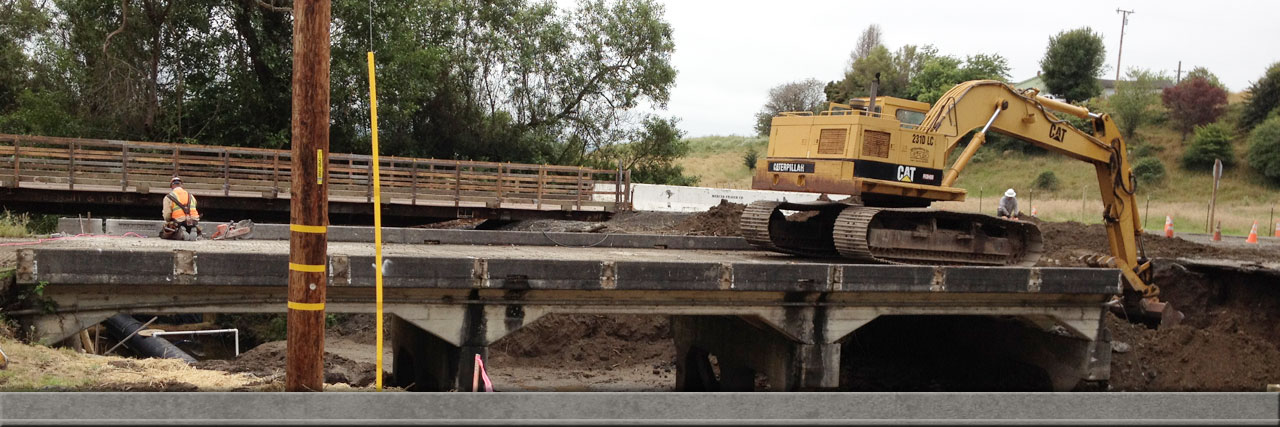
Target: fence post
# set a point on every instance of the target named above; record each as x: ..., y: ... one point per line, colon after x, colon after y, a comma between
x: 71, y: 170
x: 17, y: 162
x: 542, y: 183
x: 630, y: 202
x: 499, y: 184
x: 124, y: 166
x: 226, y: 172
x: 617, y: 188
x: 413, y: 182
x: 577, y: 203
x: 275, y: 175
x: 457, y: 183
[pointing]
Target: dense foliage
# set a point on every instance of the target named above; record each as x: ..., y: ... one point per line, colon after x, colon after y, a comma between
x: 1264, y: 149
x: 1263, y: 98
x: 500, y: 80
x: 1211, y: 141
x: 1072, y: 63
x: 1194, y: 102
x: 1136, y: 102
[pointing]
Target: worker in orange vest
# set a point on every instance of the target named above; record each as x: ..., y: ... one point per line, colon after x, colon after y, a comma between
x: 181, y: 218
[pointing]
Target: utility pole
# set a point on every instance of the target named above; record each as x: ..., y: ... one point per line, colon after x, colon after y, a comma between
x: 1123, y: 21
x: 309, y: 201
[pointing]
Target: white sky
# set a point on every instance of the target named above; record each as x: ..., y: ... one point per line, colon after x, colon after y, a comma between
x: 729, y: 53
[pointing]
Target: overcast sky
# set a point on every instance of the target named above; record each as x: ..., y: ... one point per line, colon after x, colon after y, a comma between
x: 729, y: 53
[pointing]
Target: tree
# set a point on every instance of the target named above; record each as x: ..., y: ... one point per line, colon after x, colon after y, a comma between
x: 857, y: 81
x: 867, y: 41
x: 1211, y: 141
x: 1263, y: 98
x: 1264, y: 149
x: 1194, y: 102
x: 941, y: 73
x: 1202, y: 72
x: 1072, y: 63
x: 1136, y: 101
x: 803, y: 95
x: 650, y: 153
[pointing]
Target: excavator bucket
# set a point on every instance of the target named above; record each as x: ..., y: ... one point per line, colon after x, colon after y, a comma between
x: 1149, y: 311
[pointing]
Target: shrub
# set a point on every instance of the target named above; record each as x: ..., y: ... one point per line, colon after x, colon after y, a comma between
x: 1146, y: 150
x: 1212, y: 141
x: 1264, y: 149
x: 1148, y: 170
x: 749, y: 158
x: 1046, y: 181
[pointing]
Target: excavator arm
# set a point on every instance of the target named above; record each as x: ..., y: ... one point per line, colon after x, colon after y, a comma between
x: 986, y: 105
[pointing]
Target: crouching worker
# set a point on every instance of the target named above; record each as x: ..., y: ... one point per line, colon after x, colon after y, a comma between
x: 181, y: 219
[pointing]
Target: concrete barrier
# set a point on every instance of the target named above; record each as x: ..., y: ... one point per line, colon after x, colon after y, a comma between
x: 674, y: 198
x: 75, y: 226
x: 143, y: 227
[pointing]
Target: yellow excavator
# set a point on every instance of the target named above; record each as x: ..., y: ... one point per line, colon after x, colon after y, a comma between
x: 889, y: 154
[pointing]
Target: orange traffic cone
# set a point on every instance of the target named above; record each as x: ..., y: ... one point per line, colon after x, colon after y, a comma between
x: 1253, y: 233
x: 1033, y: 213
x: 1168, y: 226
x: 1217, y: 232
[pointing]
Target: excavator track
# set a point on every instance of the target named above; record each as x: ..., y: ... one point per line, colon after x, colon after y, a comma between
x: 891, y: 235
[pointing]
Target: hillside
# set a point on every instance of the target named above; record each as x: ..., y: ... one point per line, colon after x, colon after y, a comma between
x: 1242, y: 196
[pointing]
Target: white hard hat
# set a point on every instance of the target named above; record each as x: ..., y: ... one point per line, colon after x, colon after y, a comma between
x: 1009, y: 193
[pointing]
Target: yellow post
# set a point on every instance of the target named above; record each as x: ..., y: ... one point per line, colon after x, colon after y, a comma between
x: 377, y: 217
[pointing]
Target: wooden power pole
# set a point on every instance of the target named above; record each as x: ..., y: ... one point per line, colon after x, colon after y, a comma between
x: 309, y: 202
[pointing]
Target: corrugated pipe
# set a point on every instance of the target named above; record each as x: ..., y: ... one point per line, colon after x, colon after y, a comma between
x: 124, y: 325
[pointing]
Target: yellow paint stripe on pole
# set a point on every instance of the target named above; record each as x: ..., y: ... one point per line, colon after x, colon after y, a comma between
x: 307, y: 268
x: 377, y: 217
x: 306, y: 306
x: 315, y: 229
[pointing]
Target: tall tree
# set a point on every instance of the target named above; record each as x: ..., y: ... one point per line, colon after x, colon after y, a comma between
x: 1137, y: 100
x: 1071, y: 64
x: 857, y: 81
x: 803, y: 95
x: 942, y: 73
x: 1194, y: 102
x: 1263, y: 98
x: 1202, y: 72
x: 867, y: 41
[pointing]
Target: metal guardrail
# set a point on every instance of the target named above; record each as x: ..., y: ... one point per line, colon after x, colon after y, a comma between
x: 129, y: 166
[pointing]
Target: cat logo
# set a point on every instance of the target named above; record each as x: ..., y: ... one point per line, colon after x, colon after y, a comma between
x: 906, y: 173
x: 919, y: 154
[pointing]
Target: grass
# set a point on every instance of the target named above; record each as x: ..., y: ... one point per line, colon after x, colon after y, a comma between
x: 717, y: 160
x: 1243, y: 195
x: 14, y: 225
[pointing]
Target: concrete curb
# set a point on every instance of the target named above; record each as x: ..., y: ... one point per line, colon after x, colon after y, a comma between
x: 339, y: 233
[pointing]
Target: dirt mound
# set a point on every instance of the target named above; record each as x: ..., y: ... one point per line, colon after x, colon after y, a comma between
x: 580, y: 342
x: 268, y: 361
x: 1229, y: 341
x: 720, y: 220
x: 1064, y: 242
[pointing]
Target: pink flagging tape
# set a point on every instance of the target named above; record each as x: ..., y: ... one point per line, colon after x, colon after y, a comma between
x: 479, y: 375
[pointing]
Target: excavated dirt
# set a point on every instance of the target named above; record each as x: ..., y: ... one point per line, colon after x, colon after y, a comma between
x: 588, y: 342
x: 720, y: 220
x: 267, y: 361
x: 1065, y: 242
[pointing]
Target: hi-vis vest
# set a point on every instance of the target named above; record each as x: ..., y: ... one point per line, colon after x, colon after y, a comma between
x: 182, y: 205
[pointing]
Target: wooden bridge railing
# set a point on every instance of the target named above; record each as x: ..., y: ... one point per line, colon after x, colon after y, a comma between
x: 130, y: 166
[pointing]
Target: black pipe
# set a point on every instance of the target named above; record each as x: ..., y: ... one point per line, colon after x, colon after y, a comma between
x: 122, y: 325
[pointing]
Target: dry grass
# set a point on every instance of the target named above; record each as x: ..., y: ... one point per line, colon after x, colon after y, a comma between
x: 717, y: 160
x: 1188, y: 217
x: 35, y: 367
